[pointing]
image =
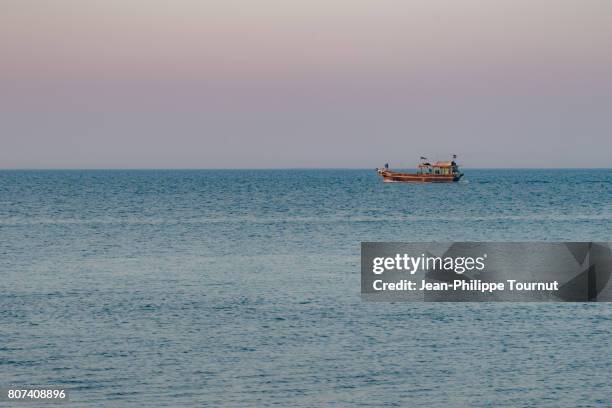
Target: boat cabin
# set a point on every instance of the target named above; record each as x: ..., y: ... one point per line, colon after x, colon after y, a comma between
x: 440, y: 167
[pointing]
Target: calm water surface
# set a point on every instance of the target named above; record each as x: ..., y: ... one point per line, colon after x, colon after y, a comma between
x: 241, y: 288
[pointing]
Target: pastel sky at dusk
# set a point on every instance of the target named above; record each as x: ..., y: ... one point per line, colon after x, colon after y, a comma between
x: 308, y: 83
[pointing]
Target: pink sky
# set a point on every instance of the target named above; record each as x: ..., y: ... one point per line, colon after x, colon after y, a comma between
x: 186, y: 83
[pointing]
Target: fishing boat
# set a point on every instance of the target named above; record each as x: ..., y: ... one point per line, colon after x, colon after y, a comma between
x: 438, y: 172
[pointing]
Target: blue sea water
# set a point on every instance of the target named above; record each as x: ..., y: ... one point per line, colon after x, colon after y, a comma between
x: 241, y: 288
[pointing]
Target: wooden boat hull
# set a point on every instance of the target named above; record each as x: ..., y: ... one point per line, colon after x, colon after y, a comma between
x: 395, y: 177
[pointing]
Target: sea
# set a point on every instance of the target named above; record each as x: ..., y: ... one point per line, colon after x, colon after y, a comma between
x: 241, y: 288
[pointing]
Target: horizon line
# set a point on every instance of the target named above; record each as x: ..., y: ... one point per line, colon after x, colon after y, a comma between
x: 270, y: 168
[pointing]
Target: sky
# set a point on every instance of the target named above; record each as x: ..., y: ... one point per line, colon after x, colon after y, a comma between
x: 304, y: 83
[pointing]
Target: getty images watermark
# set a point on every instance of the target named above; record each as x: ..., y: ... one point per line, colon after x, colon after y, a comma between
x: 478, y: 271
